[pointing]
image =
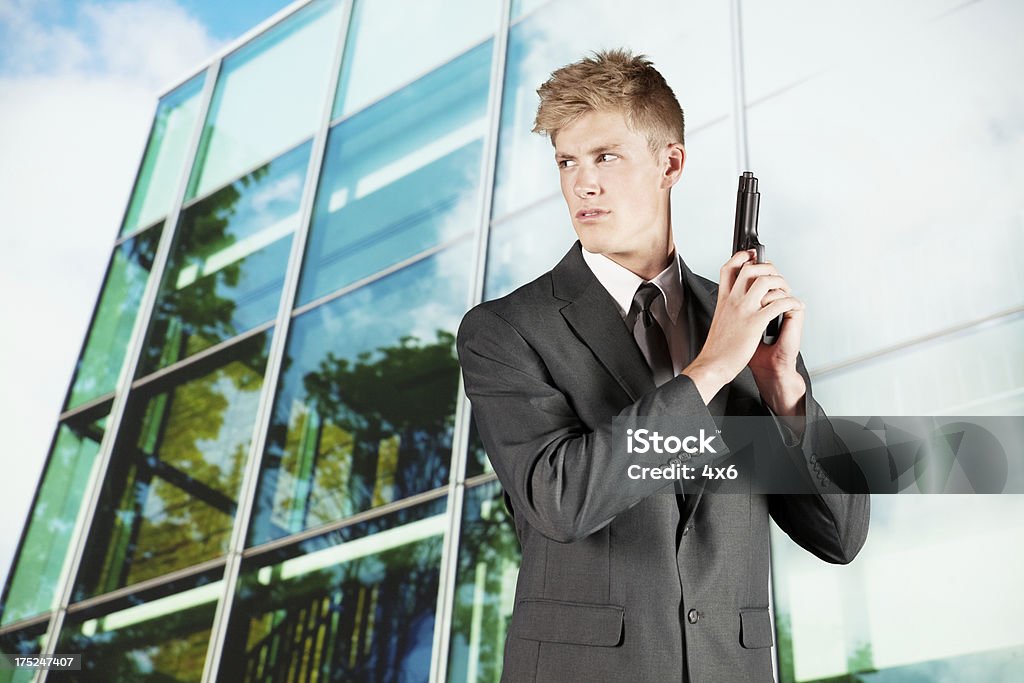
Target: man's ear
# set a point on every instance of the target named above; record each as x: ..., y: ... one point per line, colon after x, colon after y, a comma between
x: 673, y: 158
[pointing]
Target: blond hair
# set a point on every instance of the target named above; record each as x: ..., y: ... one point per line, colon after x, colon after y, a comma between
x: 613, y: 80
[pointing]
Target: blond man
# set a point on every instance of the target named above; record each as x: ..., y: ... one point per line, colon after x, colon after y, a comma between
x: 618, y: 583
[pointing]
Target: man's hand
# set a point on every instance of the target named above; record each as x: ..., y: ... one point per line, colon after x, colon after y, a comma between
x: 750, y: 295
x: 774, y: 365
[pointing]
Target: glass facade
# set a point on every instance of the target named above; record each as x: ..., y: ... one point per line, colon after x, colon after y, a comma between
x: 268, y: 97
x: 171, y: 490
x: 365, y: 412
x: 162, y: 165
x: 23, y: 642
x: 226, y: 269
x: 401, y: 177
x: 485, y: 586
x: 160, y: 635
x: 32, y: 588
x: 111, y: 329
x: 355, y: 604
x: 265, y: 469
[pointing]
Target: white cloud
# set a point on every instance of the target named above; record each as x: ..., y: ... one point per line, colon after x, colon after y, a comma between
x: 76, y: 99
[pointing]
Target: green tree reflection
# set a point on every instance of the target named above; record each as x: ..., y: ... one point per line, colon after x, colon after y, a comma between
x: 196, y: 310
x: 488, y: 550
x: 171, y: 498
x: 395, y: 410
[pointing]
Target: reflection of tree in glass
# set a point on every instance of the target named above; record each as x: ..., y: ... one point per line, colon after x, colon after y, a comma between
x: 197, y: 470
x: 184, y: 486
x: 861, y: 660
x: 784, y: 646
x: 195, y: 317
x: 171, y: 647
x: 487, y: 548
x: 370, y: 618
x: 397, y: 403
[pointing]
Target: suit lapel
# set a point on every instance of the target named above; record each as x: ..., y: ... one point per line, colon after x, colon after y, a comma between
x: 593, y: 315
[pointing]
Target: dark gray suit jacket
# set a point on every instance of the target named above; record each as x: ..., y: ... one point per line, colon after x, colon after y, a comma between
x: 617, y: 584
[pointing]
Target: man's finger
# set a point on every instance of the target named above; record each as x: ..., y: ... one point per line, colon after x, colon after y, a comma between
x: 750, y: 272
x: 773, y: 295
x: 792, y: 329
x: 730, y: 270
x: 766, y: 283
x: 780, y: 307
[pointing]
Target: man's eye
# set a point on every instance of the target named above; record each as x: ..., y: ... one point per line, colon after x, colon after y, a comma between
x: 566, y: 163
x: 606, y: 157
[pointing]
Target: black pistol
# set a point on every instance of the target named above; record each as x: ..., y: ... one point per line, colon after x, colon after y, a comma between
x: 744, y: 236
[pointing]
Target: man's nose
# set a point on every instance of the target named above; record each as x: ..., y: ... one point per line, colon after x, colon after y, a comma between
x: 586, y: 184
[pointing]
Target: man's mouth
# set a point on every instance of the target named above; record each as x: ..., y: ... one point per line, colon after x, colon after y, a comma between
x: 584, y: 214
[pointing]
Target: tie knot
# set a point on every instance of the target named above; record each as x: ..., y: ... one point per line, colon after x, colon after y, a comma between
x: 644, y: 298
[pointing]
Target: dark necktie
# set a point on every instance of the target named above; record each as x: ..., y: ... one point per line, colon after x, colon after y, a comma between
x: 648, y: 334
x: 651, y: 339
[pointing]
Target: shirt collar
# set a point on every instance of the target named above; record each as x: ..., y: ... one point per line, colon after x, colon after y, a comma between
x: 622, y: 283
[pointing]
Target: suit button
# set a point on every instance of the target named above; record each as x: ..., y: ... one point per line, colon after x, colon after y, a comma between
x: 692, y: 616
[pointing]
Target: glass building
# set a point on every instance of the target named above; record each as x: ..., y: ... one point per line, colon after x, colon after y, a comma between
x: 265, y: 469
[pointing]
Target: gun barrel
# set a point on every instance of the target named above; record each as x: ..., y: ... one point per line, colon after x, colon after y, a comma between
x: 747, y: 204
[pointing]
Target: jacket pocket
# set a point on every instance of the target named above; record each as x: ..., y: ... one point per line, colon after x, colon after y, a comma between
x: 755, y: 628
x: 577, y: 623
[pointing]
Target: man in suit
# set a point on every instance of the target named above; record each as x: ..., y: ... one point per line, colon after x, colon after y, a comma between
x: 617, y: 583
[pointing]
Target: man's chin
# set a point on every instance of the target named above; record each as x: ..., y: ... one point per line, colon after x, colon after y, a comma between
x: 594, y: 246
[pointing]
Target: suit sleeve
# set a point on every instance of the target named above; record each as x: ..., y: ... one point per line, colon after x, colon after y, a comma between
x: 568, y: 481
x: 831, y: 523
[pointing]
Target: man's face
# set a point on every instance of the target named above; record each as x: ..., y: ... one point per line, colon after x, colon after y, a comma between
x: 615, y: 188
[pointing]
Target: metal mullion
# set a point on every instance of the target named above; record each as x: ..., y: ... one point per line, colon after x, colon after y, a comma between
x: 247, y: 37
x: 353, y: 520
x: 118, y: 242
x: 480, y: 480
x: 201, y: 356
x: 1002, y: 317
x: 530, y: 13
x: 145, y: 586
x: 250, y: 477
x: 23, y: 624
x: 138, y: 231
x: 248, y: 170
x: 85, y: 408
x: 23, y: 538
x: 460, y: 442
x: 134, y: 350
x: 118, y: 237
x: 739, y: 90
x: 739, y: 108
x: 66, y: 418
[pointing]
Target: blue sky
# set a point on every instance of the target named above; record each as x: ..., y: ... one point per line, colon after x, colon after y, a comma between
x: 79, y: 83
x: 228, y: 20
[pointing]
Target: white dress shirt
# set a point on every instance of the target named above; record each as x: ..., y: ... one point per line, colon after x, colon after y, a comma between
x: 667, y: 309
